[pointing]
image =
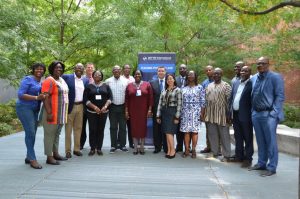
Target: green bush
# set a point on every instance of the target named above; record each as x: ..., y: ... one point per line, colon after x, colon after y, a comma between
x: 292, y: 116
x: 9, y: 123
x: 5, y: 129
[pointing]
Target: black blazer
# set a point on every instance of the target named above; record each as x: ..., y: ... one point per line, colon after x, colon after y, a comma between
x: 245, y: 101
x: 178, y: 81
x: 156, y: 94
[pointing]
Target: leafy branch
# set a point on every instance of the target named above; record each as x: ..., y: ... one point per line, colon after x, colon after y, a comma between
x: 280, y: 5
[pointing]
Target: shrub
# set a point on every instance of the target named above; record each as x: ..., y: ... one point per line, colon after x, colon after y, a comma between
x: 9, y: 123
x: 292, y: 116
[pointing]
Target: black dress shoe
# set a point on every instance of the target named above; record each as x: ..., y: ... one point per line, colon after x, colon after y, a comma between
x: 142, y: 152
x: 156, y: 151
x: 179, y: 150
x: 78, y: 153
x: 206, y: 150
x: 52, y: 162
x: 99, y: 152
x: 27, y: 161
x: 256, y: 167
x: 246, y: 164
x: 167, y: 156
x: 61, y: 158
x: 92, y: 152
x: 135, y: 153
x: 171, y: 156
x: 68, y: 155
x: 267, y: 173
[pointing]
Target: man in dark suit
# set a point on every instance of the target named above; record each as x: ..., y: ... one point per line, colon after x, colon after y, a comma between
x: 240, y: 106
x: 158, y: 85
x: 89, y: 69
x: 76, y: 86
x: 267, y: 112
x: 180, y: 81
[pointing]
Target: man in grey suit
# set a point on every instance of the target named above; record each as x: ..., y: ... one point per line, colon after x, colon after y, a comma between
x: 158, y: 85
x: 180, y: 81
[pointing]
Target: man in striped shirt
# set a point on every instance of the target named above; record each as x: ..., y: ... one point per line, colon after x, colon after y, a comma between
x: 217, y: 114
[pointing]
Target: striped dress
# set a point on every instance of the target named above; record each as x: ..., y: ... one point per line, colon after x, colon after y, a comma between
x: 217, y: 99
x: 58, y: 91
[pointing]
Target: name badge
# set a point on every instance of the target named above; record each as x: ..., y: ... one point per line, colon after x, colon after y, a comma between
x: 138, y: 92
x: 98, y: 97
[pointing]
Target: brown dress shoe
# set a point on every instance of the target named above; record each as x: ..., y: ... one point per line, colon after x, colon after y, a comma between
x: 59, y: 157
x: 78, y: 153
x: 34, y: 164
x: 52, y: 162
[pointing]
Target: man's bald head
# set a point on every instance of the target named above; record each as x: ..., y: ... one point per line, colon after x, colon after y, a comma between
x: 262, y: 64
x: 237, y: 67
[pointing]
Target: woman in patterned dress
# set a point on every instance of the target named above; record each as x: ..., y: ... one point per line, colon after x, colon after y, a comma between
x: 193, y: 99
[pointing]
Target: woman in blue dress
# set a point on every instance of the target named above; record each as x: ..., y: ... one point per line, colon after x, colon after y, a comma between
x: 193, y: 99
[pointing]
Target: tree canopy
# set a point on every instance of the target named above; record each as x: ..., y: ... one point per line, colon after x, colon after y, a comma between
x: 110, y: 32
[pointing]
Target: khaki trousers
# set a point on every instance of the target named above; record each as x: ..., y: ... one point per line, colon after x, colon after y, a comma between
x: 74, y: 123
x: 51, y: 135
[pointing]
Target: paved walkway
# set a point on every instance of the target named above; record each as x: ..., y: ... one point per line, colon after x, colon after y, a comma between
x: 123, y: 175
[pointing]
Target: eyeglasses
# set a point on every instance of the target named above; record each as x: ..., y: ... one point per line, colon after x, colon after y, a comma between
x: 262, y: 63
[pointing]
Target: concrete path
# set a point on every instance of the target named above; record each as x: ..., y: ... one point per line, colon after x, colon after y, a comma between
x: 123, y: 175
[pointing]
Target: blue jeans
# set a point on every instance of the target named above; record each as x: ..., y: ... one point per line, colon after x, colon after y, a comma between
x: 28, y: 117
x: 265, y: 130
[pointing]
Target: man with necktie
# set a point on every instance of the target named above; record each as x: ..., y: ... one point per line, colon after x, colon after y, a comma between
x: 158, y: 85
x: 267, y: 112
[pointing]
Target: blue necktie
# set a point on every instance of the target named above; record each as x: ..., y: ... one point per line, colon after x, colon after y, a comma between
x: 161, y: 85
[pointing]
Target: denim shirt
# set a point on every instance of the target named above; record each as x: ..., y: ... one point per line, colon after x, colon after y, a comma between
x: 29, y: 85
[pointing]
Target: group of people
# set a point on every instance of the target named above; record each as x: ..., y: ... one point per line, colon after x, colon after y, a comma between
x: 177, y: 106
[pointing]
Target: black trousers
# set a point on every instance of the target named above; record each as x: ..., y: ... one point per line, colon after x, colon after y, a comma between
x: 179, y: 139
x: 96, y: 129
x: 129, y: 133
x: 159, y: 138
x: 83, y: 132
x: 117, y: 125
x: 243, y: 135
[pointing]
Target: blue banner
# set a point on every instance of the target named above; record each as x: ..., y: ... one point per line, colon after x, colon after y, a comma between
x: 148, y: 63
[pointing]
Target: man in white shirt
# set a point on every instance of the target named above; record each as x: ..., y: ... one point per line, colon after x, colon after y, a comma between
x: 117, y: 119
x: 240, y: 105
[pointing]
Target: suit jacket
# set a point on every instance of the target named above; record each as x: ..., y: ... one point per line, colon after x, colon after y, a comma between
x: 178, y: 81
x: 156, y: 94
x: 70, y: 80
x: 272, y: 92
x: 245, y: 101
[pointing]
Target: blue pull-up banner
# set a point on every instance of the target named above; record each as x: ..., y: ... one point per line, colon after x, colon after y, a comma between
x: 148, y: 63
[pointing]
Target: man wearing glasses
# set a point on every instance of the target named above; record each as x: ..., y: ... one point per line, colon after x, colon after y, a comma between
x: 267, y: 112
